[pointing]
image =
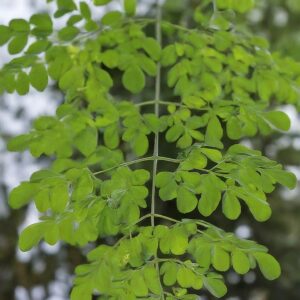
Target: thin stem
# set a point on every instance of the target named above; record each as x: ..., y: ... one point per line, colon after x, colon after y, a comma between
x: 136, y: 161
x: 151, y: 102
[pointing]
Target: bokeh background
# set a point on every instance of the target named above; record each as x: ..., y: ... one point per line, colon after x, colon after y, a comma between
x: 45, y: 272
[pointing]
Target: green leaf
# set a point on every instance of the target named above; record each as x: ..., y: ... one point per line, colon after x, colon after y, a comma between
x: 87, y: 140
x: 211, y: 188
x: 68, y: 33
x: 81, y: 292
x: 169, y: 271
x: 242, y: 6
x: 19, y: 25
x: 38, y: 77
x: 231, y: 206
x: 152, y: 280
x: 85, y: 10
x: 130, y: 7
x: 5, y: 34
x: 42, y: 200
x: 278, y: 119
x: 220, y: 259
x: 179, y: 241
x: 83, y: 187
x: 240, y: 262
x: 186, y: 200
x: 213, y: 154
x: 134, y: 79
x: 43, y: 23
x: 111, y: 136
x: 72, y: 79
x: 138, y: 285
x: 195, y: 160
x: 51, y: 233
x: 101, y: 2
x: 19, y: 143
x: 22, y: 83
x: 31, y: 236
x: 152, y: 48
x: 59, y: 196
x: 215, y: 286
x: 174, y: 132
x: 185, y: 277
x: 268, y: 265
x: 234, y: 129
x: 17, y: 44
x: 38, y: 47
x: 285, y: 178
x: 140, y: 144
x: 22, y: 194
x: 214, y: 133
x: 112, y: 18
x: 169, y: 191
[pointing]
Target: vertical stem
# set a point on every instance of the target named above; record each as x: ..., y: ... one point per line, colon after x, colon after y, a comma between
x: 156, y: 138
x: 156, y: 111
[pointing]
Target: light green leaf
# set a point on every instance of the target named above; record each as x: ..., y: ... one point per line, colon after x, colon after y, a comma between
x: 213, y: 154
x: 112, y: 18
x: 59, y: 196
x: 285, y: 178
x: 22, y: 194
x: 186, y: 200
x: 87, y: 140
x: 152, y: 48
x: 185, y: 277
x: 169, y: 271
x: 278, y: 119
x: 231, y: 206
x: 134, y: 79
x: 234, y: 129
x: 31, y: 236
x: 240, y: 262
x: 83, y: 187
x: 214, y: 133
x: 220, y: 259
x: 211, y: 188
x: 42, y: 200
x: 268, y: 265
x: 140, y: 144
x: 152, y: 280
x: 138, y: 285
x: 215, y: 286
x: 130, y: 7
x: 179, y: 241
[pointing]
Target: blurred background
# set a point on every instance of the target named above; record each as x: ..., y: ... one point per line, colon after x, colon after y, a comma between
x: 45, y: 272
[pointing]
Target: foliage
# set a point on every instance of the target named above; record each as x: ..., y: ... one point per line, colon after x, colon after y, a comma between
x: 218, y: 77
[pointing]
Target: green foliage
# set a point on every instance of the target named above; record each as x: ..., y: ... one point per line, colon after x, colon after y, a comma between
x: 222, y: 87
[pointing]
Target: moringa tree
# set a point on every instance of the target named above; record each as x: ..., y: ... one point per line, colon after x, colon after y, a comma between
x: 209, y: 84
